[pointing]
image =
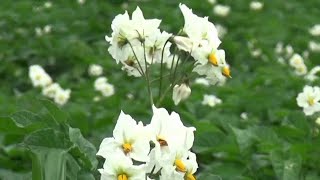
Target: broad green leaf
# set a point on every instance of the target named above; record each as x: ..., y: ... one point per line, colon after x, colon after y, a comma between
x: 56, y: 113
x: 286, y: 167
x: 25, y: 118
x: 47, y: 138
x: 83, y: 149
x: 245, y: 138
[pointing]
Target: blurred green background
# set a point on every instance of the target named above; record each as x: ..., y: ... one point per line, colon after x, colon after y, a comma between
x: 276, y: 141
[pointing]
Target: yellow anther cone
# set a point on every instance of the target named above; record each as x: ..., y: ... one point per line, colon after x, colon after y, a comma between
x: 180, y: 166
x: 122, y: 177
x: 127, y: 147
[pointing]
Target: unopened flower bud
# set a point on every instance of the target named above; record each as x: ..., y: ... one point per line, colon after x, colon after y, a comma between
x: 180, y: 92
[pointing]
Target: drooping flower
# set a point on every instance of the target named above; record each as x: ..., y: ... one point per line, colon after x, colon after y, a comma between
x: 120, y: 167
x: 129, y: 138
x: 38, y: 76
x: 211, y: 100
x: 309, y: 100
x: 180, y: 93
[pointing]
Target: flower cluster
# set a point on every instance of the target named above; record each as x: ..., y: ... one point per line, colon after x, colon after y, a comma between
x: 161, y: 148
x: 138, y: 44
x: 309, y: 100
x: 101, y: 84
x: 202, y: 42
x: 40, y: 78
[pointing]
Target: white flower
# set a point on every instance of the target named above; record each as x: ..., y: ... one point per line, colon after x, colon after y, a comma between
x: 279, y: 48
x: 315, y: 30
x: 62, y: 96
x: 38, y: 76
x: 129, y: 138
x: 119, y: 167
x: 312, y: 75
x: 256, y: 52
x: 154, y: 46
x: 180, y: 165
x: 221, y: 10
x: 51, y: 90
x: 202, y: 81
x: 289, y: 50
x: 212, y: 1
x: 296, y: 61
x: 309, y: 100
x: 48, y: 4
x: 99, y: 83
x: 211, y: 100
x: 47, y: 29
x: 169, y: 135
x: 256, y: 5
x: 107, y: 90
x: 128, y: 31
x: 199, y: 29
x: 244, y: 115
x: 301, y: 70
x: 95, y: 70
x: 180, y: 93
x: 314, y: 46
x: 38, y: 31
x: 81, y: 1
x: 183, y: 43
x: 214, y: 74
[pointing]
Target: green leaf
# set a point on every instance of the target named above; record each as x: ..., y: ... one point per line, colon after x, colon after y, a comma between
x: 56, y: 113
x: 286, y: 168
x: 10, y: 175
x: 47, y: 138
x: 24, y: 118
x: 245, y: 138
x: 83, y: 149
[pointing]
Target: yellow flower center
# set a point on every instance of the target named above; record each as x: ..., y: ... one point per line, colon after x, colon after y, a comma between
x: 180, y: 166
x: 311, y: 101
x: 122, y: 177
x: 162, y: 142
x: 226, y: 71
x: 126, y: 148
x: 213, y: 59
x: 190, y: 176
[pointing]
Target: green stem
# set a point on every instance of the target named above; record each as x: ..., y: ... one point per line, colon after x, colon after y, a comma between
x: 161, y: 67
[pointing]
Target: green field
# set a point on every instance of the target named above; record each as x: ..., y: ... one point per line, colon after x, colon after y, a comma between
x: 258, y: 132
